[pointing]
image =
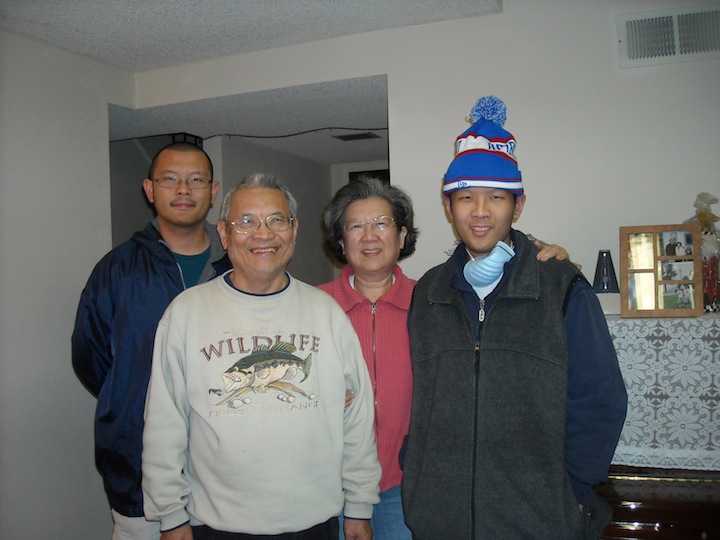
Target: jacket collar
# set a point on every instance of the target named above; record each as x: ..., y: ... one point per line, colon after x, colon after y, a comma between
x: 524, y: 284
x: 217, y: 253
x: 151, y: 238
x: 399, y: 294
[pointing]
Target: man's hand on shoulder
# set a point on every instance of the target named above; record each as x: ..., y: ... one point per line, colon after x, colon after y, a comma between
x: 548, y: 251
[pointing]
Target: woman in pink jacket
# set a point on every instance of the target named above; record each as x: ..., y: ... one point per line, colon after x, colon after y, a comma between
x: 369, y: 226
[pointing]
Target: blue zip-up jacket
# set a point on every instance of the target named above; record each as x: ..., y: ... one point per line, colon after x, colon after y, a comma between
x: 112, y: 346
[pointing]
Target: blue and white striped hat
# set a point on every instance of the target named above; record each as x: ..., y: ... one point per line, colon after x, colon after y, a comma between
x: 484, y: 154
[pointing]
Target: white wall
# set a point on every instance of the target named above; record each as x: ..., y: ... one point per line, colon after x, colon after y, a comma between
x: 54, y: 226
x: 129, y: 163
x: 598, y: 147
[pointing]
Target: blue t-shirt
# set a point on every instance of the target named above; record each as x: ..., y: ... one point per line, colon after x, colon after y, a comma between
x: 192, y: 266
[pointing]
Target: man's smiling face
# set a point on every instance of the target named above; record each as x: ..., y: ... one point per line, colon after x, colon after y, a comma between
x: 483, y: 216
x: 259, y: 258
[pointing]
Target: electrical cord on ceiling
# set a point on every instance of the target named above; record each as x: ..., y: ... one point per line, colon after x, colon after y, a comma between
x: 291, y: 134
x: 240, y: 135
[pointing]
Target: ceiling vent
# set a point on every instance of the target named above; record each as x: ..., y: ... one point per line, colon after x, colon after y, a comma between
x: 669, y: 35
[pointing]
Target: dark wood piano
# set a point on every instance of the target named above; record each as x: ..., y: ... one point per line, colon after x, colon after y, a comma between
x: 662, y: 504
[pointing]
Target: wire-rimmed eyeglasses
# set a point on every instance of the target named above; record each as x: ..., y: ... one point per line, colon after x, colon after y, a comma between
x: 173, y: 182
x: 377, y: 224
x: 248, y: 223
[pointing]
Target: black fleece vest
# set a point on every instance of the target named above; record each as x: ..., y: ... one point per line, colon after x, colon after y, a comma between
x: 486, y: 453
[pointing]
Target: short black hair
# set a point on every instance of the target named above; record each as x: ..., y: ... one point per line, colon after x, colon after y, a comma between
x: 181, y: 146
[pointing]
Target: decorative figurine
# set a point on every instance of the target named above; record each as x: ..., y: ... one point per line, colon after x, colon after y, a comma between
x: 709, y: 249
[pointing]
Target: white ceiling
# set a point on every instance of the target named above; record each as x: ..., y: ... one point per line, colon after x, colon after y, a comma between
x: 142, y: 35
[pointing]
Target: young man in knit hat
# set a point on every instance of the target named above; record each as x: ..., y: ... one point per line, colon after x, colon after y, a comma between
x: 518, y: 399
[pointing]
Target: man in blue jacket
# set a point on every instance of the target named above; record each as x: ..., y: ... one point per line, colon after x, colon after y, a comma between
x: 518, y: 399
x: 118, y: 313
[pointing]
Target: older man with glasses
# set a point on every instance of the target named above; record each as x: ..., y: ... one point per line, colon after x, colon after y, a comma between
x: 120, y: 307
x: 247, y: 430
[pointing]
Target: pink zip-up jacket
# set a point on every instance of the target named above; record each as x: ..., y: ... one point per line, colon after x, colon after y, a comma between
x: 382, y: 329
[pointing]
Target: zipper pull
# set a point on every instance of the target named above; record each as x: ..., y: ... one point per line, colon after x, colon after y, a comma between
x: 481, y: 313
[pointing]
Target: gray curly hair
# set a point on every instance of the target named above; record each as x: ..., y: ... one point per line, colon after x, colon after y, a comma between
x: 367, y: 187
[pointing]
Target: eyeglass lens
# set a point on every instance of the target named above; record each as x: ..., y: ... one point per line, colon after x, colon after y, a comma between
x: 195, y: 182
x: 379, y: 223
x: 275, y: 222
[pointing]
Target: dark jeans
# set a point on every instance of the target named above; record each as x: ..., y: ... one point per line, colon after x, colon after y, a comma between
x: 325, y: 531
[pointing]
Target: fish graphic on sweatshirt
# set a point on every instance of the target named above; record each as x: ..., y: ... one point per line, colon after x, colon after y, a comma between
x: 263, y: 369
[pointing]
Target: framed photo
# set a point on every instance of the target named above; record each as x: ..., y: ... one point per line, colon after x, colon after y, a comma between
x: 660, y: 271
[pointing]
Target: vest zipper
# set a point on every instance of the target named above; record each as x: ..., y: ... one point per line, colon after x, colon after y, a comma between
x: 473, y: 518
x: 481, y: 312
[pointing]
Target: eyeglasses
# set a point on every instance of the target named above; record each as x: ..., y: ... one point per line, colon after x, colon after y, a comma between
x: 249, y: 223
x: 173, y: 182
x: 377, y: 224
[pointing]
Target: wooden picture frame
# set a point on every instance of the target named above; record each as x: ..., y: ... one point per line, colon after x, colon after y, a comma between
x: 660, y: 271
